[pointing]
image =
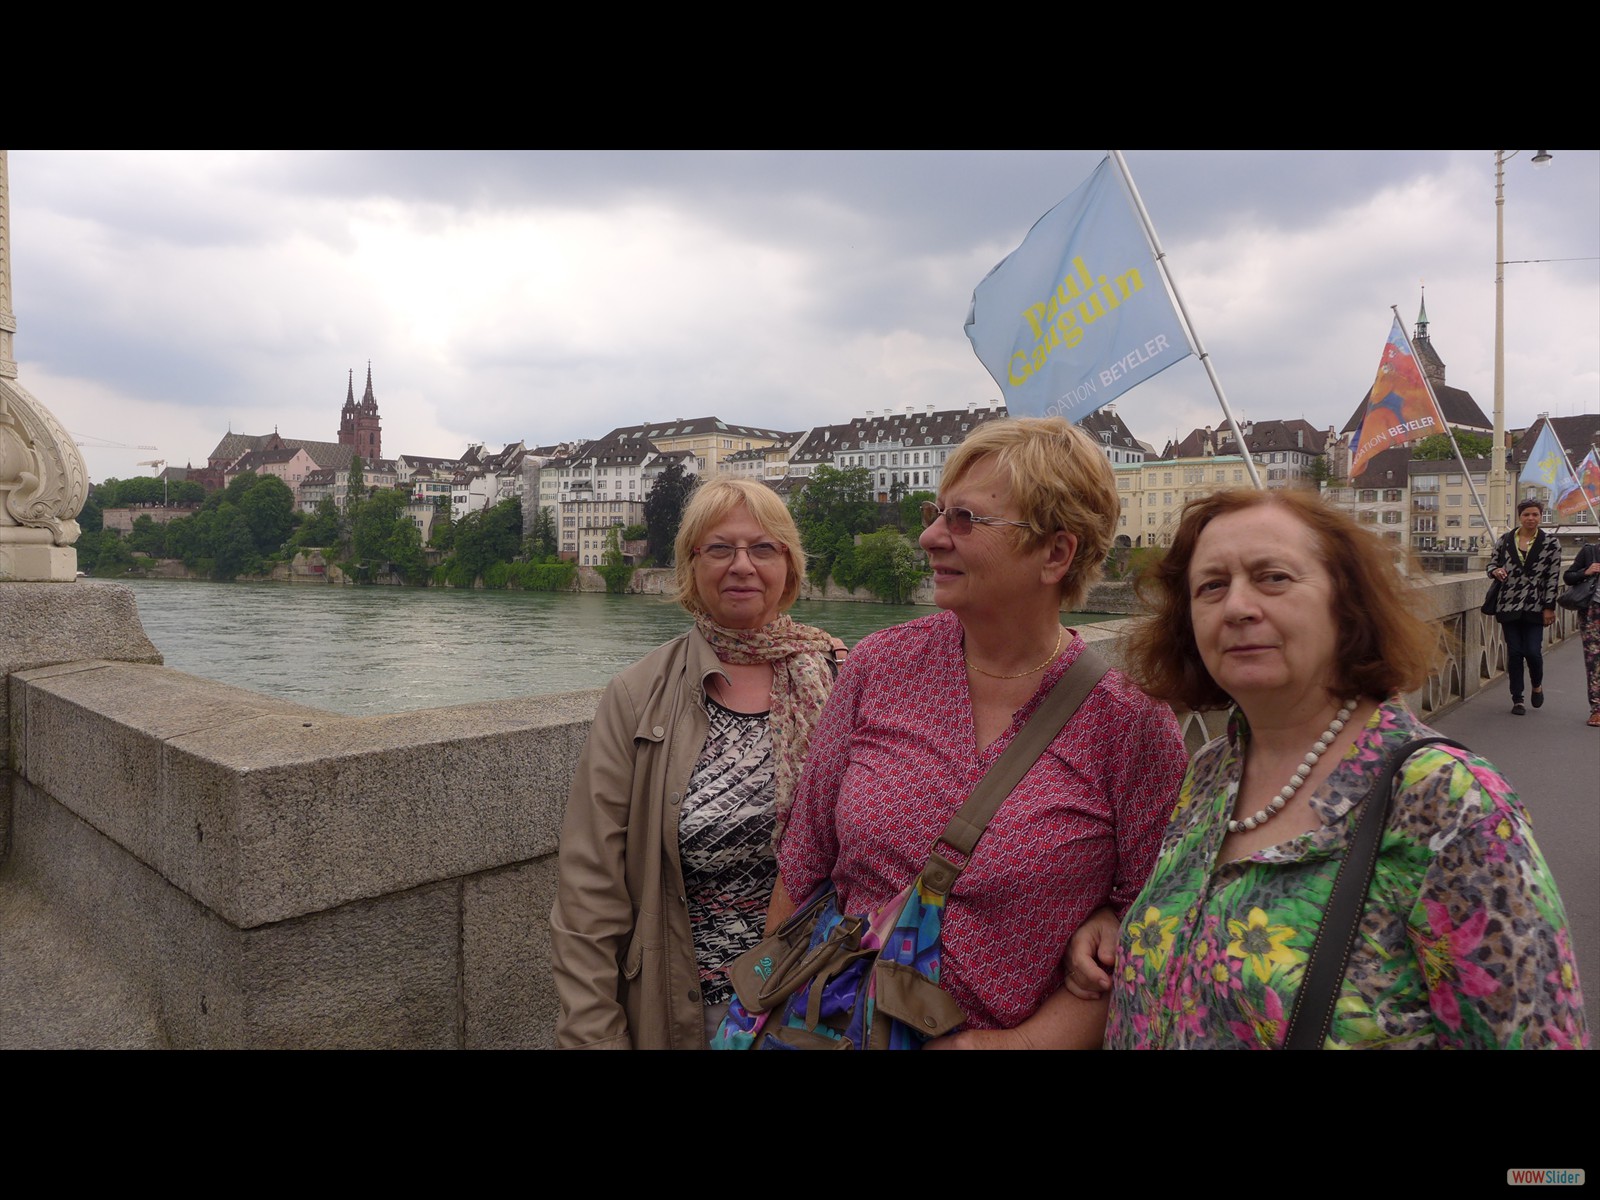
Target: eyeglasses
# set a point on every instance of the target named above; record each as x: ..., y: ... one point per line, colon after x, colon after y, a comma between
x: 961, y: 520
x: 761, y: 553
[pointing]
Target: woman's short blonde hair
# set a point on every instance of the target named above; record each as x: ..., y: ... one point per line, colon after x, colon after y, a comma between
x: 1059, y: 480
x: 713, y: 500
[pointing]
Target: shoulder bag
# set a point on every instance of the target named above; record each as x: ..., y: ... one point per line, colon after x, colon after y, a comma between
x: 1582, y: 592
x: 870, y: 981
x: 1312, y: 1015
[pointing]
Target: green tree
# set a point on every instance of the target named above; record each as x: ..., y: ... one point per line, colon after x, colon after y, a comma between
x: 612, y: 569
x: 442, y: 536
x: 90, y: 518
x: 147, y: 537
x: 911, y: 510
x: 184, y: 492
x: 357, y: 488
x: 234, y: 547
x: 888, y: 566
x: 320, y: 529
x: 663, y: 510
x: 835, y: 504
x: 483, y: 539
x: 268, y: 507
x: 1473, y: 445
x: 542, y: 543
x: 103, y: 552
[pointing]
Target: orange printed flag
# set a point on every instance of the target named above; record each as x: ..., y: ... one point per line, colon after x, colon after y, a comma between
x: 1400, y: 407
x: 1587, y: 492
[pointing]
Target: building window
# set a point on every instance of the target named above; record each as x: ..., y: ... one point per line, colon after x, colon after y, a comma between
x: 1391, y: 495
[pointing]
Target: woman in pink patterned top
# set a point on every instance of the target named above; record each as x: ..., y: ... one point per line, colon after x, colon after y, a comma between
x: 1024, y: 520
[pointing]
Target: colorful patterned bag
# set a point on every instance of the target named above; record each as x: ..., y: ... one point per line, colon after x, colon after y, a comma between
x: 856, y: 983
x: 828, y: 981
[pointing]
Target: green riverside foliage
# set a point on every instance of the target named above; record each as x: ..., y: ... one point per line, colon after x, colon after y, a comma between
x: 481, y: 540
x: 613, y: 570
x: 235, y: 532
x: 887, y: 566
x: 835, y: 506
x: 383, y: 536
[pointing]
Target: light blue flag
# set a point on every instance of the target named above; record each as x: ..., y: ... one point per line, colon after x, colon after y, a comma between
x: 1078, y: 313
x: 1547, y: 465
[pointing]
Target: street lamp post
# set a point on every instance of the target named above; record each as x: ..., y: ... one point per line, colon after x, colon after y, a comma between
x: 1497, y: 461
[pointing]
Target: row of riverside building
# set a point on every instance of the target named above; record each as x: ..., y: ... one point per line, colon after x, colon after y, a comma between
x: 589, y: 486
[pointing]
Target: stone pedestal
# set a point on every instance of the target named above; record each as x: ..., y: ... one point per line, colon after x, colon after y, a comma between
x: 38, y: 564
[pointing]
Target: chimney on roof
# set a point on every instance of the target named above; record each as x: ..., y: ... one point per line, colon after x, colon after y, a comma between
x: 930, y: 408
x: 971, y: 404
x: 869, y: 414
x: 910, y: 409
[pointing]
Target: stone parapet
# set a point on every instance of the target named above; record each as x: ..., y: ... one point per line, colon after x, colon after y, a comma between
x: 278, y: 875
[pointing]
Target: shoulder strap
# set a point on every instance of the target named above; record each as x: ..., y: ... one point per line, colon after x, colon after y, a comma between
x: 973, y: 817
x: 1336, y: 935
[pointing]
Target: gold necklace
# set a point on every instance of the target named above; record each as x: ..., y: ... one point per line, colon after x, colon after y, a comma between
x: 1061, y: 636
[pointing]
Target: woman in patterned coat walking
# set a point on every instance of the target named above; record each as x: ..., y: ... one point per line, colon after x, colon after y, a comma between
x: 1527, y: 564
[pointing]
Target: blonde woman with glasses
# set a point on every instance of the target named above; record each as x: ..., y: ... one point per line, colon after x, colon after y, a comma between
x: 667, y: 863
x: 1024, y: 520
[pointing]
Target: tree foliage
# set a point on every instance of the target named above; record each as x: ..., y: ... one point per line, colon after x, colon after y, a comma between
x: 911, y: 511
x: 483, y: 539
x: 663, y: 510
x: 233, y: 533
x: 1437, y: 447
x: 542, y: 543
x: 383, y: 536
x: 835, y: 504
x: 887, y: 565
x: 612, y: 569
x: 320, y: 529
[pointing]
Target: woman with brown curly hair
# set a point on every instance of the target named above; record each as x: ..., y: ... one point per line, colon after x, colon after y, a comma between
x: 1286, y: 609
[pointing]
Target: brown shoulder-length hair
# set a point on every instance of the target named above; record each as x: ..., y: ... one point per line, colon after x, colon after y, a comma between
x: 1384, y: 646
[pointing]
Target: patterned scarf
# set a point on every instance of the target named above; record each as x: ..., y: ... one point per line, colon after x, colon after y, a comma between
x: 801, y: 681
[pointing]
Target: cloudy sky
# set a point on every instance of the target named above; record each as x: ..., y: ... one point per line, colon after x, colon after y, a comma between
x: 163, y: 298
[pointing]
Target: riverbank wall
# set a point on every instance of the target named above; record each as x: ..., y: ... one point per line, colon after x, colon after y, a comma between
x: 192, y: 865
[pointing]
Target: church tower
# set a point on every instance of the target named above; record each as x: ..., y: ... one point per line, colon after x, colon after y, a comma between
x: 359, y: 424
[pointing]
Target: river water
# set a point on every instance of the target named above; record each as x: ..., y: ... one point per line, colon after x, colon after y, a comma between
x: 367, y: 650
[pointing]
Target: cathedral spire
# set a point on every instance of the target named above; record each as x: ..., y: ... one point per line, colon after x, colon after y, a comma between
x: 369, y: 402
x: 1422, y: 317
x: 350, y: 390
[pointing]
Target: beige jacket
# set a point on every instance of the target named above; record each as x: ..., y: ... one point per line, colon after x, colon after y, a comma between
x: 620, y: 947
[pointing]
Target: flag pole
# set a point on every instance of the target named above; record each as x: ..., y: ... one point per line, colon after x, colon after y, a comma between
x: 1183, y: 312
x: 1449, y: 432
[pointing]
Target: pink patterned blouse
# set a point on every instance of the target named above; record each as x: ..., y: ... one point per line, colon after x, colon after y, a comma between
x: 894, y: 756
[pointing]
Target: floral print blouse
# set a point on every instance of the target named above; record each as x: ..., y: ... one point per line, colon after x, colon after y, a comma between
x: 1463, y: 944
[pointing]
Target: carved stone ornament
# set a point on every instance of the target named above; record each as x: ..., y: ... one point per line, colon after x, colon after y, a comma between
x: 43, y: 480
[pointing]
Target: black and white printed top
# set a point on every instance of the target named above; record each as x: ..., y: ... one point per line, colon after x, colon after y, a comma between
x: 725, y: 843
x: 1533, y: 579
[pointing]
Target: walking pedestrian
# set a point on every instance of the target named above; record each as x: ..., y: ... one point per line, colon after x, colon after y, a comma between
x: 1527, y: 564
